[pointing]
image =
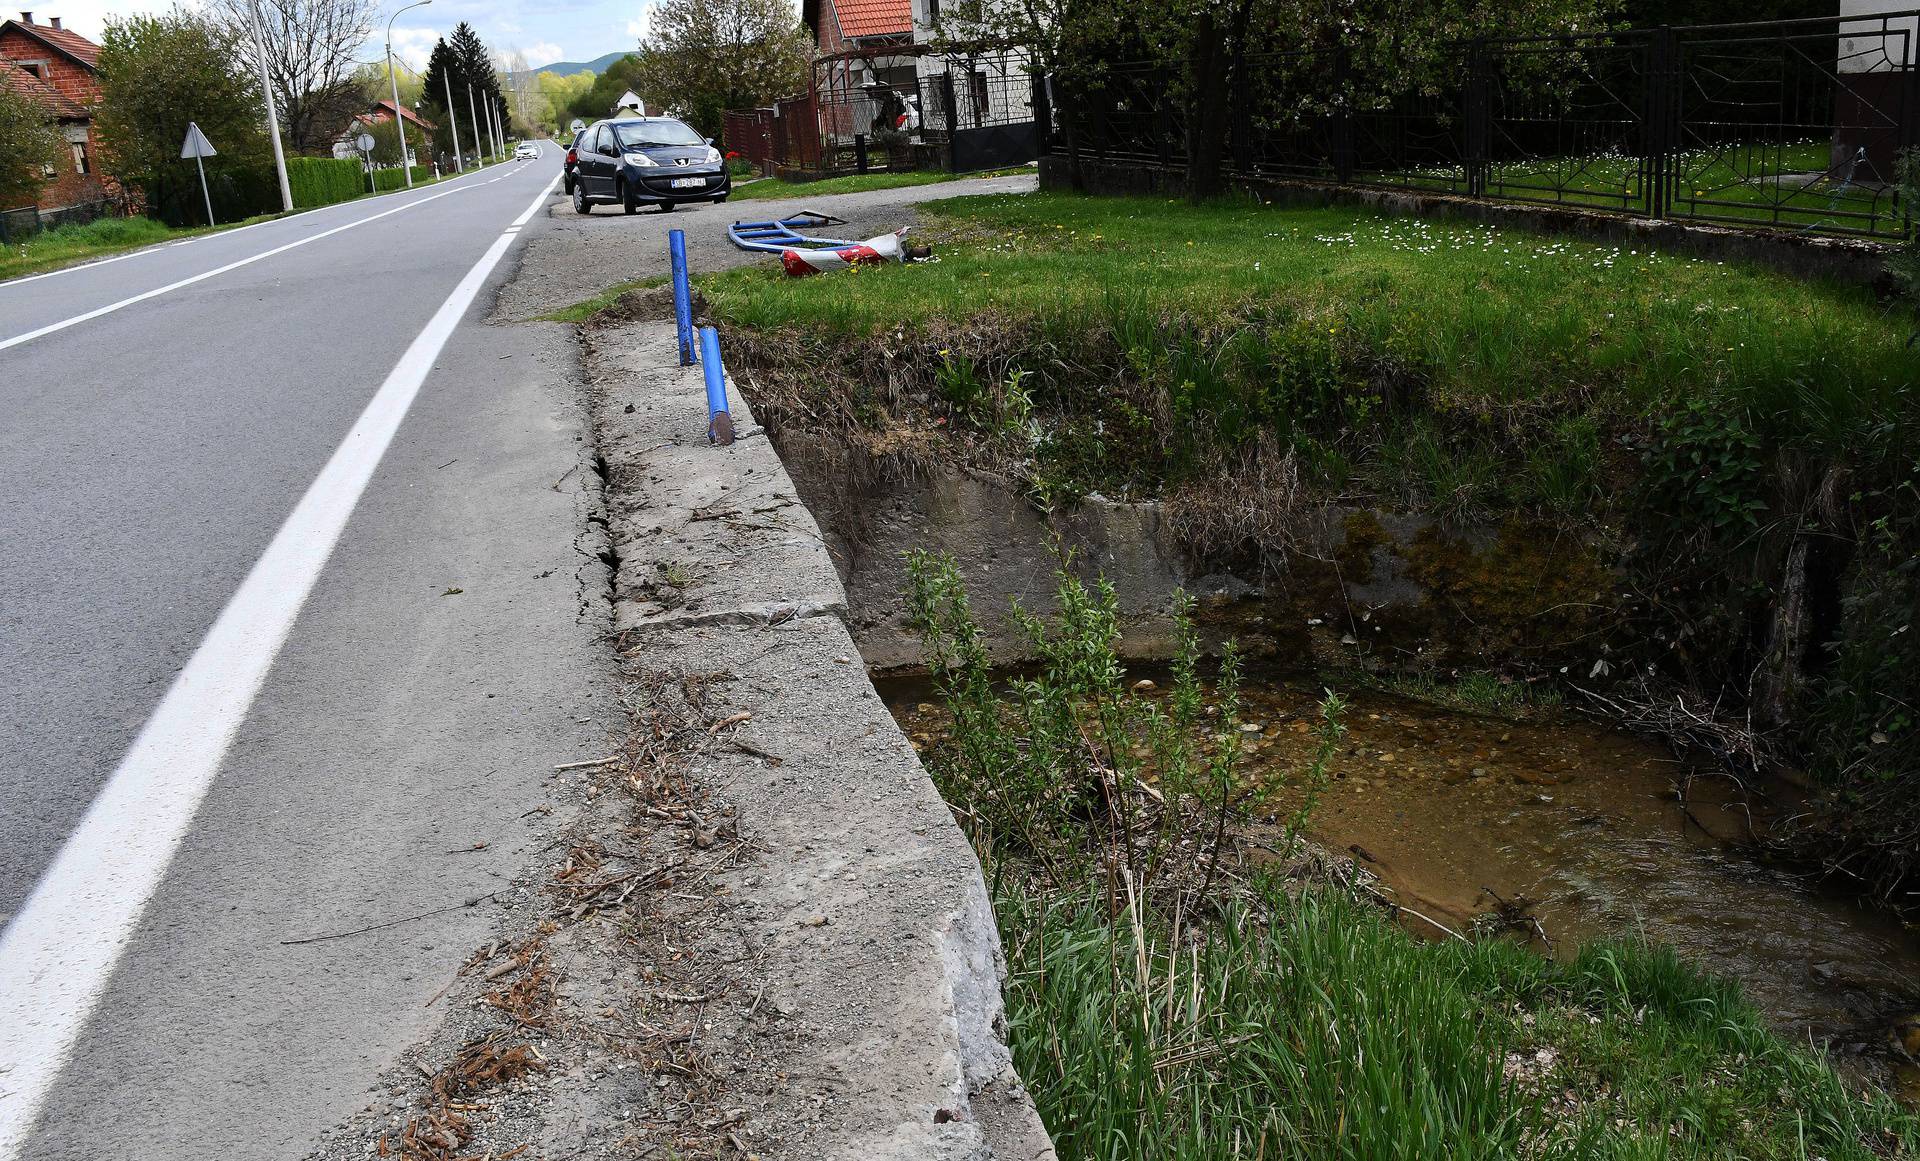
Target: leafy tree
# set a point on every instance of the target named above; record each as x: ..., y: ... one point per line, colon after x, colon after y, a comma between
x: 157, y: 73
x: 29, y: 143
x: 598, y: 100
x: 462, y: 63
x: 560, y: 94
x: 386, y: 143
x: 714, y: 55
x: 310, y: 45
x: 474, y: 64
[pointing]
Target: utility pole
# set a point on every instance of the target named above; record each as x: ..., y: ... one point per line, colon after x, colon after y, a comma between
x: 399, y: 110
x: 453, y: 120
x: 474, y: 117
x: 273, y: 117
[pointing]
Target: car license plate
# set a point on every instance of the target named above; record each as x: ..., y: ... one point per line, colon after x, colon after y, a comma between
x: 689, y: 182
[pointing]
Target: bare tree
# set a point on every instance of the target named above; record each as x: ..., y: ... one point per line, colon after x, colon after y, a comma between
x: 310, y: 46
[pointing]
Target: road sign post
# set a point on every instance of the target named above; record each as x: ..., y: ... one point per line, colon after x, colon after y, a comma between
x: 365, y: 143
x: 197, y: 146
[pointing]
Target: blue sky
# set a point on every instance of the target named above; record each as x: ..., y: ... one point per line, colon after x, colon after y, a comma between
x: 548, y: 31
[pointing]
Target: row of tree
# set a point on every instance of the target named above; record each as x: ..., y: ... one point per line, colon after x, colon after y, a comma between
x: 699, y: 59
x: 158, y: 72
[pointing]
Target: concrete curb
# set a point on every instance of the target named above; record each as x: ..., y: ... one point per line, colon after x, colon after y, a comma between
x: 867, y: 904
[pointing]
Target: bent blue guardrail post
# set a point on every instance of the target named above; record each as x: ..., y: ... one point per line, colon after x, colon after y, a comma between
x: 682, y: 295
x: 719, y: 422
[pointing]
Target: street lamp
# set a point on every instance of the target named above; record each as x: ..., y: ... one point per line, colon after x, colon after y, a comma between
x: 399, y: 111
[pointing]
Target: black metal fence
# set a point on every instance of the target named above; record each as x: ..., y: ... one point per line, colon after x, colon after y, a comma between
x: 1787, y: 124
x: 17, y: 226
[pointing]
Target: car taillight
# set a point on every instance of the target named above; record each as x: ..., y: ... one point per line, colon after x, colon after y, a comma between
x: 570, y: 157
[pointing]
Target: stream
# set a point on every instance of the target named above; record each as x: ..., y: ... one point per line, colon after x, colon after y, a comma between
x: 1584, y: 827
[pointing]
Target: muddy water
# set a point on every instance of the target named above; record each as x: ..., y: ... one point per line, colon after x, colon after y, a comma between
x: 1585, y: 828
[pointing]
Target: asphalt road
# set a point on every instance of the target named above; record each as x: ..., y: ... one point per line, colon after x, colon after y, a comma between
x: 295, y: 622
x: 297, y: 460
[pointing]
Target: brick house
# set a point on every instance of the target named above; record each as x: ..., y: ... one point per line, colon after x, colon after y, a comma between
x: 420, y: 131
x: 860, y: 44
x: 59, y: 68
x: 874, y: 58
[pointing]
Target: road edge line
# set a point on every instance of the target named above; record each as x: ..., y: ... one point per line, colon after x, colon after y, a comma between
x: 59, y: 951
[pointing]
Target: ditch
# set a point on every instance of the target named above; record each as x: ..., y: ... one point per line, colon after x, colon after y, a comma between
x: 1565, y: 832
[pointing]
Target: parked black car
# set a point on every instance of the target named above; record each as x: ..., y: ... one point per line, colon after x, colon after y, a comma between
x: 639, y: 161
x: 573, y: 159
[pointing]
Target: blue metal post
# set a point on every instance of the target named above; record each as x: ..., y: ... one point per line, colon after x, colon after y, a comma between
x: 682, y: 296
x: 719, y: 423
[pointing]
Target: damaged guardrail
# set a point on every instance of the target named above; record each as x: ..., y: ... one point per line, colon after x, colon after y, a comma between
x: 703, y: 347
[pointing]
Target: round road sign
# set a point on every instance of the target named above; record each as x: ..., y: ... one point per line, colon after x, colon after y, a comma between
x: 364, y: 143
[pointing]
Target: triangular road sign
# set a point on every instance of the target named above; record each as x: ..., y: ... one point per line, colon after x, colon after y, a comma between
x: 196, y: 144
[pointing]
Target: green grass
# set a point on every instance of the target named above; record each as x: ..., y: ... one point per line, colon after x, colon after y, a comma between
x: 588, y: 307
x: 1323, y: 323
x: 1474, y: 691
x: 1159, y: 1011
x: 1316, y: 1028
x: 1795, y: 187
x: 67, y: 245
x: 854, y: 183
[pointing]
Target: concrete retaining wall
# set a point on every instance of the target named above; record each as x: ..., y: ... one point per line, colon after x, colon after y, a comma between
x: 866, y: 902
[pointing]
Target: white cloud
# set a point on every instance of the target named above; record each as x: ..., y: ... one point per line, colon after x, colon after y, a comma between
x: 412, y: 45
x: 545, y: 53
x: 89, y: 17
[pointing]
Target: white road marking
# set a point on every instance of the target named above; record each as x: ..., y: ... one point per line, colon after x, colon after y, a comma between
x: 227, y: 233
x: 60, y: 949
x: 50, y: 328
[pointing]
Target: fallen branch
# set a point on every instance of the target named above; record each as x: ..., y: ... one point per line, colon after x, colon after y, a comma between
x: 474, y: 902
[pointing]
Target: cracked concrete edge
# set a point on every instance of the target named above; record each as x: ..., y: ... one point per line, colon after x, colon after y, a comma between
x: 716, y: 558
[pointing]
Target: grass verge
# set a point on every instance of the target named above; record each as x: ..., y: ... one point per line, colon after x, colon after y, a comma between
x: 853, y: 183
x: 1173, y: 997
x: 586, y: 308
x: 68, y: 245
x: 1718, y: 434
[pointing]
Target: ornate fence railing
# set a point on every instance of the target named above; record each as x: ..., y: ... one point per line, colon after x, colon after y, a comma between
x: 1793, y: 124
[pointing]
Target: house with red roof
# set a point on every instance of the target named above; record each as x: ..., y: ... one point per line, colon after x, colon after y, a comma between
x: 420, y: 131
x: 875, y: 68
x: 60, y: 69
x: 861, y: 44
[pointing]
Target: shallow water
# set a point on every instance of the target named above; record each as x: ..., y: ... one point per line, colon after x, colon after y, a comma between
x: 1586, y: 826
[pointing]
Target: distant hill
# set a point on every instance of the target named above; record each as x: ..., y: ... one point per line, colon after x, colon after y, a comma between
x: 596, y: 66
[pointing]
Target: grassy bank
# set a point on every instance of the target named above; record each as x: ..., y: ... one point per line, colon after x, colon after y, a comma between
x: 1306, y: 1024
x: 852, y: 183
x: 66, y: 245
x: 1176, y: 993
x: 1716, y: 435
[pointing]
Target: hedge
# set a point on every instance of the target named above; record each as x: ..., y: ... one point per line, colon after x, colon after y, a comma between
x: 390, y: 179
x: 322, y: 181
